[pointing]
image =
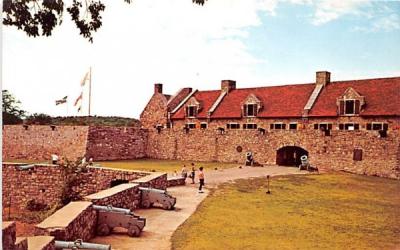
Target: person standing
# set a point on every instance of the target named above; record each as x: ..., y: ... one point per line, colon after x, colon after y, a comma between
x: 184, y: 172
x: 192, y: 173
x: 201, y: 180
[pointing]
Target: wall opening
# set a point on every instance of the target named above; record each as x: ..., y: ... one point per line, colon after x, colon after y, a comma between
x: 290, y: 155
x: 117, y: 182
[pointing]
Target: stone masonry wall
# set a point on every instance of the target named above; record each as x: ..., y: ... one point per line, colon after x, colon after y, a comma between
x: 155, y: 112
x: 39, y: 142
x: 8, y: 234
x: 116, y: 143
x: 43, y: 183
x: 124, y: 196
x: 155, y: 180
x: 380, y: 155
x: 81, y: 227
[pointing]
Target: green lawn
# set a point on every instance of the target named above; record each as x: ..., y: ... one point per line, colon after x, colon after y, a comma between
x: 329, y: 211
x: 163, y: 165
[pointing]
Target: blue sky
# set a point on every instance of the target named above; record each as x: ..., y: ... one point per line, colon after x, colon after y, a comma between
x: 255, y: 42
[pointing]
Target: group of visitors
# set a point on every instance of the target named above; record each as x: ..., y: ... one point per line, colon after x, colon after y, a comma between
x: 192, y: 175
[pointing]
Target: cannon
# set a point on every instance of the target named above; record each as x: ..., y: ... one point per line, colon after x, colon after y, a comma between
x: 149, y: 196
x: 110, y: 217
x: 306, y: 165
x: 79, y: 244
x: 26, y: 167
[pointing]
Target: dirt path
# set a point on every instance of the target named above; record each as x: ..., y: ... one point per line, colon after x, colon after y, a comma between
x: 161, y: 224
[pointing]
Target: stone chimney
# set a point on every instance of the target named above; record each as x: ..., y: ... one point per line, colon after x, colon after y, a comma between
x: 228, y: 85
x: 158, y: 88
x: 323, y: 77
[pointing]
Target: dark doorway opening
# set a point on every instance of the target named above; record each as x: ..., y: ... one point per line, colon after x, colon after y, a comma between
x: 290, y: 156
x: 117, y: 182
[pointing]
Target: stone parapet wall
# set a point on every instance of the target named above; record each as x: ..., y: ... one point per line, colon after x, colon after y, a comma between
x: 8, y: 235
x: 176, y: 181
x: 99, y: 178
x: 77, y: 220
x: 155, y: 180
x: 43, y: 183
x: 122, y: 196
x: 21, y: 243
x: 380, y: 155
x: 38, y: 142
x: 116, y: 143
x: 41, y: 243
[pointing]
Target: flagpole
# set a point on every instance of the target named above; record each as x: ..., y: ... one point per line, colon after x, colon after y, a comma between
x: 90, y: 88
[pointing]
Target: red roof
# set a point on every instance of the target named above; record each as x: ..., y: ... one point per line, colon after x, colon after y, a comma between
x: 277, y: 101
x: 382, y: 97
x: 206, y: 99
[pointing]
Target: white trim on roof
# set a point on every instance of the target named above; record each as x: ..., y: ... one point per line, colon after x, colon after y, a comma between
x: 183, y: 101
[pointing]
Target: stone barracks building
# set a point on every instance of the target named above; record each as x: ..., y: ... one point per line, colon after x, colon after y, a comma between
x: 345, y: 125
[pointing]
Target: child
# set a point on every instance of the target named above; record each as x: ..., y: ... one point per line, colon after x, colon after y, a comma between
x: 192, y: 173
x: 201, y: 179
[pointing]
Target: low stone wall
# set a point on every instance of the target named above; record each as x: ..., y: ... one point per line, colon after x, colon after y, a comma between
x: 123, y: 196
x: 99, y: 178
x: 43, y: 183
x: 155, y: 180
x: 176, y: 181
x: 77, y: 220
x: 9, y: 234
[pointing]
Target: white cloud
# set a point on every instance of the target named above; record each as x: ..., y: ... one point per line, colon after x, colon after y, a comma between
x: 329, y: 10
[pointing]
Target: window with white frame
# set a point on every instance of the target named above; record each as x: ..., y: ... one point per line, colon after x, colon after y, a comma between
x: 323, y: 126
x: 203, y: 125
x: 377, y: 126
x: 293, y: 126
x: 249, y: 126
x: 233, y: 125
x: 250, y: 110
x: 278, y: 125
x: 349, y: 126
x: 191, y: 111
x: 191, y: 125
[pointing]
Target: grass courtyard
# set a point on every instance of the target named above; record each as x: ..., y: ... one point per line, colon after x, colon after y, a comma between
x: 163, y: 165
x: 329, y: 211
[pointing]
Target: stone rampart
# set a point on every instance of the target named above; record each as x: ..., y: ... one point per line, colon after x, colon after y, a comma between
x: 38, y: 142
x: 77, y: 220
x: 123, y: 196
x: 176, y: 181
x: 116, y: 143
x: 8, y: 234
x: 380, y: 156
x: 154, y: 180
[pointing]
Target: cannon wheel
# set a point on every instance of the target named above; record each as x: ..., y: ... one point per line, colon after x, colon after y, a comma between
x: 167, y: 206
x: 134, y: 231
x: 103, y: 230
x: 146, y: 204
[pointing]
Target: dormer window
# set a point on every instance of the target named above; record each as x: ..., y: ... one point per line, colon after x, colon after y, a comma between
x: 191, y: 111
x: 350, y: 103
x: 250, y: 110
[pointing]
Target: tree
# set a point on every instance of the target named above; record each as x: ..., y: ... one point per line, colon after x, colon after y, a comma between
x: 40, y: 17
x: 12, y: 114
x: 38, y: 119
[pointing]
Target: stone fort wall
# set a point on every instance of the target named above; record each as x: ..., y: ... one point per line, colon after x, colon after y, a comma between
x: 38, y: 142
x: 380, y: 156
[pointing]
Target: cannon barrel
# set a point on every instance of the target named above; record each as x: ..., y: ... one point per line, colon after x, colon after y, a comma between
x: 78, y: 244
x: 112, y: 209
x: 26, y: 167
x: 152, y: 190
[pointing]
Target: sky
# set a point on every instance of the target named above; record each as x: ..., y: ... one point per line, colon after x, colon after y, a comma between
x: 180, y: 44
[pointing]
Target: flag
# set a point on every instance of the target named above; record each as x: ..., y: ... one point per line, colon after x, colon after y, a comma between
x: 78, y: 99
x: 85, y: 78
x: 61, y: 101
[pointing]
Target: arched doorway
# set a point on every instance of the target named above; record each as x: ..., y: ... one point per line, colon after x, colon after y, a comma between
x: 290, y: 155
